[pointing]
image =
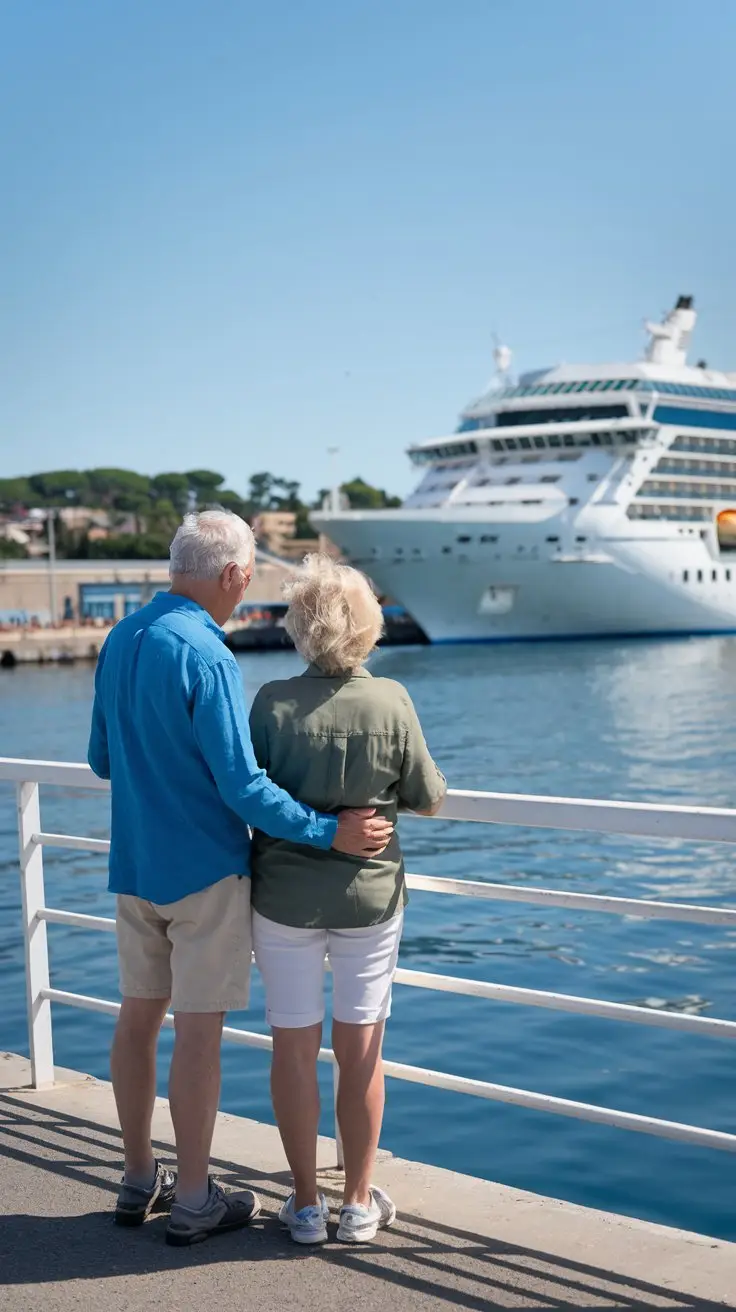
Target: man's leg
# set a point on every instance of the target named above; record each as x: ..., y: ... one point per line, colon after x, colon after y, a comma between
x: 133, y: 1069
x: 194, y: 1094
x: 210, y: 966
x: 144, y: 954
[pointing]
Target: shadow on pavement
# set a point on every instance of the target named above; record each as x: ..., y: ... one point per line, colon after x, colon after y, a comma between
x: 60, y: 1175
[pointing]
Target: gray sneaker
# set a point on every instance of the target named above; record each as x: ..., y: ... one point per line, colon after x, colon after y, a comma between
x: 222, y: 1212
x: 135, y: 1205
x: 358, y: 1224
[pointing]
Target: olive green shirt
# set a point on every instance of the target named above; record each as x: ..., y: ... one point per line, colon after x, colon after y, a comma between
x: 336, y: 741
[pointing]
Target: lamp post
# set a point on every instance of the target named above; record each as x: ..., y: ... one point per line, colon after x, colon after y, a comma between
x: 51, y: 531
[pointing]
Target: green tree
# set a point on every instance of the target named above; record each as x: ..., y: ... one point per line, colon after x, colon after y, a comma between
x: 260, y: 491
x: 12, y: 550
x: 204, y: 484
x: 232, y: 501
x: 61, y: 486
x: 303, y: 528
x: 15, y: 492
x: 362, y: 496
x: 109, y: 484
x: 173, y: 488
x: 269, y: 492
x: 125, y: 546
x: 163, y: 516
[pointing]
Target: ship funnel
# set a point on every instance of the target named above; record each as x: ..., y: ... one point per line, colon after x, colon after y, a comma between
x: 669, y: 340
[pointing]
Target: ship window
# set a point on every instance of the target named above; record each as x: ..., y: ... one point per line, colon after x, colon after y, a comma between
x: 511, y: 444
x: 525, y: 443
x: 465, y: 538
x: 540, y: 443
x: 569, y: 413
x: 550, y: 478
x: 581, y: 539
x: 728, y: 576
x: 592, y: 478
x: 513, y: 480
x: 669, y: 414
x: 446, y: 551
x: 553, y: 539
x: 488, y: 537
x: 555, y: 439
x: 700, y: 576
x: 399, y: 551
x: 528, y: 502
x: 497, y: 446
x: 686, y: 576
x: 573, y: 501
x: 714, y: 575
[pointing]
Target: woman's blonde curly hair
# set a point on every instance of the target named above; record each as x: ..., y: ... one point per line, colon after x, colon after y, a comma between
x: 334, y: 618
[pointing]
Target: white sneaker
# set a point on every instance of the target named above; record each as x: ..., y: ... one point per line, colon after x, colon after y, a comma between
x: 358, y: 1224
x: 309, y: 1224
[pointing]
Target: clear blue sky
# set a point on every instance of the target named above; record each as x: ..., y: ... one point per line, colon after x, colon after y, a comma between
x: 236, y: 232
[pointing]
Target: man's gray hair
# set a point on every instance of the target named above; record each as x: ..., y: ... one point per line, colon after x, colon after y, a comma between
x: 207, y: 542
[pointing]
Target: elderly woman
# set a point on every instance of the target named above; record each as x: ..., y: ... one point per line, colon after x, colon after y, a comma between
x: 334, y: 737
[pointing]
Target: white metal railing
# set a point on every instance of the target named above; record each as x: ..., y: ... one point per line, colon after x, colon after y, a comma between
x: 637, y: 819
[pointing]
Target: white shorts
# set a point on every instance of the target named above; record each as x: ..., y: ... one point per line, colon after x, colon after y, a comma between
x: 292, y: 965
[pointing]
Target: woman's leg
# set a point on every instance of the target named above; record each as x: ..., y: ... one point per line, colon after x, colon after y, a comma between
x: 295, y: 1096
x: 292, y: 964
x: 363, y: 963
x: 360, y: 1103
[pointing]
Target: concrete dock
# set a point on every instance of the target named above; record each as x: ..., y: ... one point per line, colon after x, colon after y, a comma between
x: 458, y: 1242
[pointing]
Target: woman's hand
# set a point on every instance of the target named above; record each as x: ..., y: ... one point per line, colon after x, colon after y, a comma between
x: 360, y: 832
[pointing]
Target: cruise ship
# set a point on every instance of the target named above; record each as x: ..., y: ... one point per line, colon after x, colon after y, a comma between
x: 580, y: 500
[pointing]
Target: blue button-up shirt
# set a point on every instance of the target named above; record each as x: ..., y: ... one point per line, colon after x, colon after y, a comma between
x: 170, y: 730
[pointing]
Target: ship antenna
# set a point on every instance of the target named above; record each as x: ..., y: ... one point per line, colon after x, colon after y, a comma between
x: 502, y: 356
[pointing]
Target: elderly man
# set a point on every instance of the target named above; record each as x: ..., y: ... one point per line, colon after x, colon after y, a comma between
x: 170, y: 730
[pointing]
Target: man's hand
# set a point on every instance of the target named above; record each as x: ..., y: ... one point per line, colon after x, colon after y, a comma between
x: 360, y: 832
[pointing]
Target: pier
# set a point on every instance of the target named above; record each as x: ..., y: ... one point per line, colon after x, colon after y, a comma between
x: 458, y: 1242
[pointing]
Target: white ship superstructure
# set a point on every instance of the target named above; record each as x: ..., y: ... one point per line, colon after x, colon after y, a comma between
x: 580, y: 500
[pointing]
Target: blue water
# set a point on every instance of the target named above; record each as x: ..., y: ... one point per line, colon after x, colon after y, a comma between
x: 639, y: 720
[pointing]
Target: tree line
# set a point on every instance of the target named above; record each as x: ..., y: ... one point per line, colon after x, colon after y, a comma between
x: 143, y: 511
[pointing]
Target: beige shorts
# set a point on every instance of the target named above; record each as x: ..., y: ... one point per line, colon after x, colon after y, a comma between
x: 197, y: 951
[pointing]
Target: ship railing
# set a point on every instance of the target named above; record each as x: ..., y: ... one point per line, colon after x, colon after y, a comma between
x: 636, y: 819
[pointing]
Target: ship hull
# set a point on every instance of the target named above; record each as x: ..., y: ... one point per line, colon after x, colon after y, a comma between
x: 531, y: 589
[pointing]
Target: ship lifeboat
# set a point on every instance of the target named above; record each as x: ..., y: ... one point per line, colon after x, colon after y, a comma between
x: 726, y: 523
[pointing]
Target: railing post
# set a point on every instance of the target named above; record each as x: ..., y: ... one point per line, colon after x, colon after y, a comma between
x: 338, y: 1136
x: 34, y: 936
